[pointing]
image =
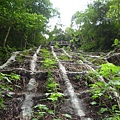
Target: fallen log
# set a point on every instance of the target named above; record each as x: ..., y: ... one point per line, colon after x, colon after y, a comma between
x: 26, y: 112
x: 74, y: 99
x: 12, y: 58
x: 114, y: 58
x: 16, y: 70
x: 66, y: 53
x: 100, y: 78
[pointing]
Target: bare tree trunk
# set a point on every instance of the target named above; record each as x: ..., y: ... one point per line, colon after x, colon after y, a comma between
x: 4, y: 42
x: 25, y: 42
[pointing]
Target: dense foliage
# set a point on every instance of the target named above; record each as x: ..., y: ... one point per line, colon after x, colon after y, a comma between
x: 98, y: 25
x: 23, y: 22
x: 6, y: 81
x: 96, y: 28
x: 103, y: 91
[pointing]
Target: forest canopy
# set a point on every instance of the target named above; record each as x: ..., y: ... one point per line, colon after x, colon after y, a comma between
x: 95, y: 28
x: 98, y: 26
x: 23, y: 22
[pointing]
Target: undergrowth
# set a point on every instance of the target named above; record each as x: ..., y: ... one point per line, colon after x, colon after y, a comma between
x: 102, y: 92
x: 52, y: 90
x: 6, y: 82
x: 5, y: 54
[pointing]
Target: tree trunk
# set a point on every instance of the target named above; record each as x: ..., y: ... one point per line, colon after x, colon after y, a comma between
x: 25, y: 43
x: 4, y: 42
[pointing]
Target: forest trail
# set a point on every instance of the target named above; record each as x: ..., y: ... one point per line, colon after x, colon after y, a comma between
x: 66, y: 98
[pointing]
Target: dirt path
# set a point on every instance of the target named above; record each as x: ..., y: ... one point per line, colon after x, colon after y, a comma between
x: 35, y: 88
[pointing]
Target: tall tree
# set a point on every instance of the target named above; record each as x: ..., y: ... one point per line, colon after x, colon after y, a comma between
x: 114, y: 14
x: 97, y: 30
x: 21, y: 20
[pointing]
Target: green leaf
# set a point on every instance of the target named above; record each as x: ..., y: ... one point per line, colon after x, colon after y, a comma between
x: 93, y: 103
x: 39, y: 105
x: 114, y: 107
x: 50, y: 112
x: 2, y: 103
x: 116, y: 83
x: 47, y: 94
x: 35, y: 119
x: 53, y: 98
x: 14, y: 76
x: 67, y: 116
x: 9, y: 95
x: 6, y: 78
x: 102, y: 110
x: 99, y: 83
x: 95, y: 96
x: 18, y: 86
x: 116, y: 41
x: 59, y: 94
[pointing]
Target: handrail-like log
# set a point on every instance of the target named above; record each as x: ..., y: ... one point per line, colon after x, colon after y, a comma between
x: 60, y: 42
